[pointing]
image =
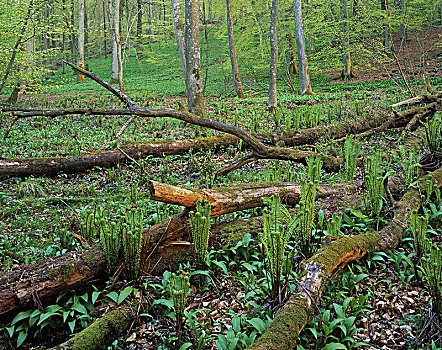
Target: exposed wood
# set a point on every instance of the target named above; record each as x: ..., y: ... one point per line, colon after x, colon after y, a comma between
x: 330, y: 260
x: 419, y: 99
x: 241, y: 197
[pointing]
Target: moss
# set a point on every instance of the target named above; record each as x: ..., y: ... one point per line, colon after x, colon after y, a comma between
x: 101, y: 333
x: 286, y: 326
x: 94, y: 259
x: 52, y: 274
x: 67, y: 270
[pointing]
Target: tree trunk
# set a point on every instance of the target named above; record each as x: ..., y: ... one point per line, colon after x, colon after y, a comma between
x: 293, y: 69
x: 179, y: 33
x: 387, y: 42
x: 194, y: 86
x: 305, y: 87
x: 233, y: 61
x: 241, y: 197
x: 80, y: 56
x: 16, y: 46
x: 139, y: 20
x: 402, y: 26
x: 114, y: 26
x: 273, y: 55
x: 347, y: 72
x: 54, y: 165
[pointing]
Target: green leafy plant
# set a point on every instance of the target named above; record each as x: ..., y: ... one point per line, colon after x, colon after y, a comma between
x: 351, y: 153
x: 374, y: 183
x: 179, y: 289
x: 87, y: 226
x: 418, y: 226
x: 134, y: 192
x: 432, y: 268
x: 433, y: 133
x: 132, y: 241
x: 431, y: 188
x: 334, y: 224
x: 278, y: 227
x: 307, y: 211
x: 410, y: 164
x: 314, y: 167
x: 200, y: 228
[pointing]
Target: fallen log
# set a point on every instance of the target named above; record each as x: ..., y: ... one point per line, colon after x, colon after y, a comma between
x: 245, y: 196
x: 101, y: 333
x: 23, y: 286
x: 107, y: 158
x: 330, y: 260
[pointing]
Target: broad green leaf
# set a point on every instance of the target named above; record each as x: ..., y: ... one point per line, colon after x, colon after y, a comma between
x: 21, y: 316
x: 113, y: 296
x: 334, y: 346
x: 236, y: 323
x: 45, y: 316
x: 339, y: 311
x: 21, y: 338
x: 72, y: 325
x: 165, y: 302
x: 185, y: 346
x: 95, y: 296
x: 10, y: 331
x: 80, y: 308
x: 258, y: 324
x: 124, y: 294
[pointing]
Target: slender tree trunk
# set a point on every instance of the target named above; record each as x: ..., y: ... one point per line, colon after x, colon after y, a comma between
x: 16, y: 46
x: 117, y: 64
x: 104, y: 30
x: 80, y: 57
x: 305, y: 87
x: 71, y: 29
x: 293, y: 69
x: 273, y: 55
x: 139, y: 21
x: 233, y: 61
x: 347, y: 72
x: 193, y: 59
x: 402, y: 27
x: 387, y: 43
x: 179, y: 33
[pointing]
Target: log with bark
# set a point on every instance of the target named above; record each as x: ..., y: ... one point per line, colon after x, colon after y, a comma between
x: 25, y: 286
x: 328, y: 262
x: 107, y: 158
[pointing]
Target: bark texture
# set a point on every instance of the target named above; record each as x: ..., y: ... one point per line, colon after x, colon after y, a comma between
x: 194, y: 82
x: 179, y: 33
x: 330, y: 260
x: 80, y: 53
x: 305, y: 87
x: 232, y: 51
x: 273, y: 55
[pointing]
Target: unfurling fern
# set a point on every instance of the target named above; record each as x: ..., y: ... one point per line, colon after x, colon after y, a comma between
x: 351, y: 153
x: 179, y: 288
x: 200, y: 229
x: 278, y: 227
x: 307, y: 210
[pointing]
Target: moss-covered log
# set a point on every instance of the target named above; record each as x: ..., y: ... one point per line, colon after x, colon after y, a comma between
x: 245, y: 196
x: 137, y: 150
x: 24, y: 285
x: 364, y: 126
x: 100, y: 334
x: 290, y: 320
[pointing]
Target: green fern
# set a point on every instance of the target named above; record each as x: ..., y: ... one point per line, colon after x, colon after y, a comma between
x: 432, y: 268
x: 200, y: 229
x: 351, y: 153
x: 410, y: 164
x: 334, y: 224
x: 278, y: 227
x: 418, y: 226
x: 179, y: 288
x: 314, y: 167
x: 307, y: 210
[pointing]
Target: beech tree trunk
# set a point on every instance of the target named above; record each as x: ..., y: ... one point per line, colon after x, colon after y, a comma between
x: 347, y: 72
x: 273, y: 55
x: 80, y: 49
x: 305, y: 87
x: 194, y: 86
x: 179, y: 33
x: 232, y: 52
x: 114, y: 26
